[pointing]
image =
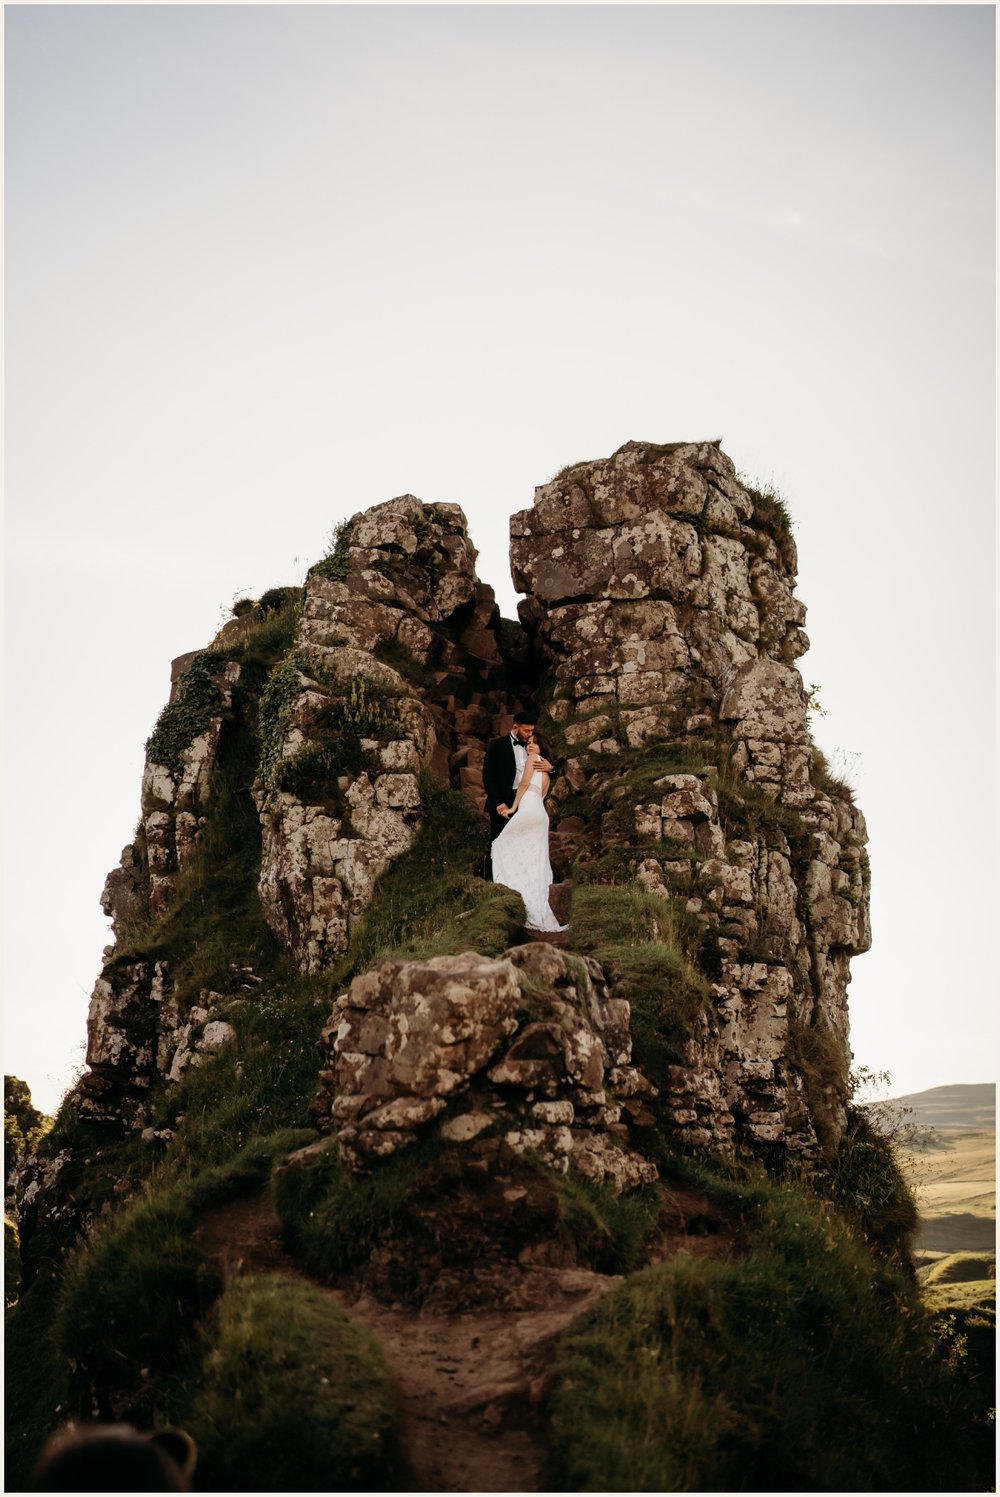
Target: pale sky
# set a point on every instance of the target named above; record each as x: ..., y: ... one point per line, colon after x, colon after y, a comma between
x: 267, y: 266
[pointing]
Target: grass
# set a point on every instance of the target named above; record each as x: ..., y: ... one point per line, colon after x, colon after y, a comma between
x: 294, y: 1396
x: 430, y: 903
x: 797, y: 1366
x: 37, y: 1381
x: 639, y: 938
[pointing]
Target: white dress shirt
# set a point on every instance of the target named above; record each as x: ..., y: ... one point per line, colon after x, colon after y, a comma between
x: 520, y: 760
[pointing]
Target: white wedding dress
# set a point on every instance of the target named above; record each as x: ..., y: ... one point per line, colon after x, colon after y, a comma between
x: 521, y: 858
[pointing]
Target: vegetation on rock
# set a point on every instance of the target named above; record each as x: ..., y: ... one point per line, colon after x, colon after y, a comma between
x: 788, y: 1348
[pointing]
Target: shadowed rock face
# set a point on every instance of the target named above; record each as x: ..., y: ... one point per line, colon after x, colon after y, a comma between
x: 660, y: 613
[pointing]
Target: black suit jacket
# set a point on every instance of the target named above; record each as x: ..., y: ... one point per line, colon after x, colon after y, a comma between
x: 499, y: 769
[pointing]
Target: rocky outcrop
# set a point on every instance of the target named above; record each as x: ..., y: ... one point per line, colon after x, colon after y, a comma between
x: 177, y: 785
x: 400, y: 609
x: 661, y: 596
x: 661, y: 616
x: 529, y: 1053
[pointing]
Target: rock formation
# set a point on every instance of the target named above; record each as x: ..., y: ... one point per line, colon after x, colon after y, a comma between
x: 657, y: 639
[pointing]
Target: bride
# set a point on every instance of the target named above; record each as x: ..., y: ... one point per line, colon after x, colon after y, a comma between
x: 521, y: 852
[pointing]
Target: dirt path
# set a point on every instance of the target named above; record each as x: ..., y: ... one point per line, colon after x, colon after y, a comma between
x: 469, y: 1385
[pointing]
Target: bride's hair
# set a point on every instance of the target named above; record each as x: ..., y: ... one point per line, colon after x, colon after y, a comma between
x: 543, y: 746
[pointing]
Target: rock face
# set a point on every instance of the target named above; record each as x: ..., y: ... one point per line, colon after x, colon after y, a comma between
x: 405, y: 608
x: 530, y: 1051
x: 661, y: 598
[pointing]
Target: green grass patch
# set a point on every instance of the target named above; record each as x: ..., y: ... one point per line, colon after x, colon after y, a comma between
x: 958, y: 1268
x: 429, y: 902
x: 134, y: 1296
x: 215, y: 919
x: 294, y: 1397
x: 801, y: 1365
x: 134, y: 1293
x: 640, y: 941
x: 272, y: 631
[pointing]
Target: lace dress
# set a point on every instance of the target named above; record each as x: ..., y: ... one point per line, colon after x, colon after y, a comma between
x: 521, y: 858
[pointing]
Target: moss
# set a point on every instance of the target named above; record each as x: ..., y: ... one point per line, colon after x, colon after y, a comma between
x: 198, y: 700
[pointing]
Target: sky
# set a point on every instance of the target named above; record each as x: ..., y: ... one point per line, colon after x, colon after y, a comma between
x: 268, y: 266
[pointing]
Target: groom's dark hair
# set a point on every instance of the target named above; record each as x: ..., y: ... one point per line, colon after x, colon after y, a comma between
x: 526, y: 717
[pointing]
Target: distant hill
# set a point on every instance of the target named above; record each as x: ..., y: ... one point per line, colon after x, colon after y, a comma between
x: 953, y: 1106
x: 953, y: 1167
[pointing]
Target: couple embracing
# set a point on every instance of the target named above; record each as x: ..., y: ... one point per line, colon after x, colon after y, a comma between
x: 516, y: 774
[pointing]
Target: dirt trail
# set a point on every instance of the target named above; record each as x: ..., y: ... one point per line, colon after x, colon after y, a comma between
x: 469, y: 1384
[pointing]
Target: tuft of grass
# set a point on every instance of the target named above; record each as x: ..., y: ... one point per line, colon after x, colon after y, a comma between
x: 802, y: 1365
x: 294, y: 1396
x: 273, y: 630
x: 771, y: 513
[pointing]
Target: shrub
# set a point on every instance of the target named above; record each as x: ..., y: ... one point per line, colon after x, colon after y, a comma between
x: 800, y: 1366
x: 868, y: 1186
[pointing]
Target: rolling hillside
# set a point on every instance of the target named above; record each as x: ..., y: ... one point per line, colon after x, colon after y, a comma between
x: 952, y: 1167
